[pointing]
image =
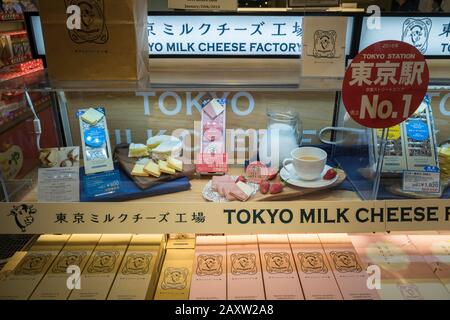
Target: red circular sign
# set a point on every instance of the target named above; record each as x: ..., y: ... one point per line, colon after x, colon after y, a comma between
x: 385, y: 84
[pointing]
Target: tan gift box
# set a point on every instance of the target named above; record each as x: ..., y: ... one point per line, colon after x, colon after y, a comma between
x: 101, y: 269
x: 77, y: 251
x: 176, y: 274
x: 20, y: 284
x: 139, y: 271
x: 111, y: 44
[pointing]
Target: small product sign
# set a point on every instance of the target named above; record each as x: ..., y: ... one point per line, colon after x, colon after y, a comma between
x: 226, y: 5
x: 421, y: 181
x: 385, y: 84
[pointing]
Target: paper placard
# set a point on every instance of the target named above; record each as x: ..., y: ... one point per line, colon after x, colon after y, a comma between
x: 225, y: 5
x: 324, y: 41
x: 59, y: 184
x: 421, y: 181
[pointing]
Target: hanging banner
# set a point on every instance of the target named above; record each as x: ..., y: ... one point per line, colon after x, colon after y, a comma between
x: 221, y: 5
x: 324, y: 40
x: 430, y: 35
x: 385, y: 84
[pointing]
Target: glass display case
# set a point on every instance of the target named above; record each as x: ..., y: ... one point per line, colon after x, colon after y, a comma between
x: 220, y: 138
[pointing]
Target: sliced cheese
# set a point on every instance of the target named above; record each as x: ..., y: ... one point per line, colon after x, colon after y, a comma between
x: 175, y: 164
x: 152, y: 169
x: 138, y: 171
x: 155, y: 141
x: 138, y: 150
x: 92, y: 116
x: 165, y: 168
x: 169, y: 146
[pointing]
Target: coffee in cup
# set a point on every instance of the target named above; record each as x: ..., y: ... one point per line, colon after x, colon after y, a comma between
x: 308, y: 163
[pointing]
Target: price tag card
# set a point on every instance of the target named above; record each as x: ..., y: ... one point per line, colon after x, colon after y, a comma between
x: 421, y: 181
x: 59, y: 184
x: 101, y: 184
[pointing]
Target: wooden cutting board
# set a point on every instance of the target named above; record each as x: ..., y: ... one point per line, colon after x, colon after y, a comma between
x: 293, y: 193
x: 127, y: 164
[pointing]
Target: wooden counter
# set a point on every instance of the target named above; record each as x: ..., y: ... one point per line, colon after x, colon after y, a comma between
x: 195, y: 194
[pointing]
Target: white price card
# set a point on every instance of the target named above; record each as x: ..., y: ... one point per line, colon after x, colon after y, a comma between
x: 59, y: 184
x: 421, y: 181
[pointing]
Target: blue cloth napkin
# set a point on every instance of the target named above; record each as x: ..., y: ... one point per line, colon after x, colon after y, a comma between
x: 117, y: 186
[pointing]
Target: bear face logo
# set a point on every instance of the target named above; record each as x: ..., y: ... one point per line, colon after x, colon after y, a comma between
x: 32, y: 264
x: 137, y: 263
x: 93, y: 24
x: 312, y: 262
x: 278, y: 262
x: 67, y: 259
x: 410, y: 292
x: 103, y: 262
x: 23, y: 215
x: 345, y: 261
x: 175, y: 278
x: 325, y: 44
x: 243, y: 263
x: 417, y: 32
x: 209, y: 265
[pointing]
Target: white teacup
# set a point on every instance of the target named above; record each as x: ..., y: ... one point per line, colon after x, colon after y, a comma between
x: 308, y: 162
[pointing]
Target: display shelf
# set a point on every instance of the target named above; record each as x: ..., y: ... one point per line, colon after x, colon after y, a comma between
x: 192, y: 75
x: 194, y: 195
x: 207, y: 74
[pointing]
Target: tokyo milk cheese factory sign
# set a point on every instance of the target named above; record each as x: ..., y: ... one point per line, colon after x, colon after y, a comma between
x: 430, y: 35
x: 227, y: 35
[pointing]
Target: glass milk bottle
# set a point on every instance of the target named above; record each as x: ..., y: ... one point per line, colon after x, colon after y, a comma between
x: 283, y: 134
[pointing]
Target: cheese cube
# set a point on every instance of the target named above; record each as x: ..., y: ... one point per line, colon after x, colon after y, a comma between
x: 138, y: 171
x: 152, y: 169
x: 92, y: 116
x: 175, y: 164
x: 138, y: 150
x: 165, y: 168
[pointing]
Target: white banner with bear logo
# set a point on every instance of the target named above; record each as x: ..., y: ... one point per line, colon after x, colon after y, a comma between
x: 430, y: 35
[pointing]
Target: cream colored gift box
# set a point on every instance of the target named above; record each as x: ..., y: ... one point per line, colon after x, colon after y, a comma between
x: 138, y: 274
x: 20, y: 284
x: 76, y: 252
x: 101, y: 269
x: 176, y: 274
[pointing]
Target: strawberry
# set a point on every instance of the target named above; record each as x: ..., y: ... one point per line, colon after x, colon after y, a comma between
x: 276, y: 188
x: 273, y: 174
x: 330, y: 175
x: 241, y: 179
x: 264, y: 187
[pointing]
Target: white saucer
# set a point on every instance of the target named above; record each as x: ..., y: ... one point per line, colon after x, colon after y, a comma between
x: 289, y: 177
